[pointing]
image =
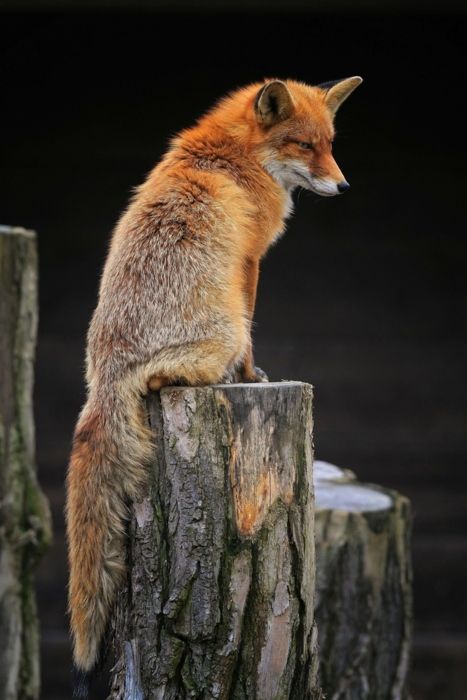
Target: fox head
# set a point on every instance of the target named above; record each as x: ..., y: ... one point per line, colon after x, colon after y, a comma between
x: 294, y: 130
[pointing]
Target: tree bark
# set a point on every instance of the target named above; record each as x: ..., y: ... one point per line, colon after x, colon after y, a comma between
x: 219, y: 602
x: 24, y: 515
x: 364, y: 587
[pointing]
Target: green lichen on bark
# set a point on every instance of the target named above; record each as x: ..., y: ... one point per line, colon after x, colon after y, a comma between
x: 25, y: 526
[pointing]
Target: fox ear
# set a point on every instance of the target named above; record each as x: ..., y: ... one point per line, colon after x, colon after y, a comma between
x: 337, y: 91
x: 273, y: 103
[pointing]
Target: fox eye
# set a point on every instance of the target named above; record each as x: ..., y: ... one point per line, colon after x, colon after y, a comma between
x: 306, y: 145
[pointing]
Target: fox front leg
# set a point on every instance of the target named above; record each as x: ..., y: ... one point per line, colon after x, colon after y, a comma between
x: 247, y: 371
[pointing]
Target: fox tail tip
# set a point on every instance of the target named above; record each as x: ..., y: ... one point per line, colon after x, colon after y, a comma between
x: 81, y: 683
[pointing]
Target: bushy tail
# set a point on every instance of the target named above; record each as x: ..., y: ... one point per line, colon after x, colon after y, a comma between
x: 108, y: 468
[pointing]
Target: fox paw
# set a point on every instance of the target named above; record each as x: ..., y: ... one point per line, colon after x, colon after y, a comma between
x: 240, y: 376
x: 230, y: 377
x: 257, y: 376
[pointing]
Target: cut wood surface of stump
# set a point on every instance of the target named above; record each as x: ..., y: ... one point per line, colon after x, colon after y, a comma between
x: 24, y: 514
x: 220, y: 594
x: 363, y: 587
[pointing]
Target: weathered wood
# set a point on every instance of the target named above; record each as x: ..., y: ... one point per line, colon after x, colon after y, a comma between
x: 363, y: 592
x: 220, y: 592
x: 24, y: 514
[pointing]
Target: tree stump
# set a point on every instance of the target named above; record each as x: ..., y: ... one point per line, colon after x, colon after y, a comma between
x: 363, y: 592
x: 24, y: 514
x: 220, y: 593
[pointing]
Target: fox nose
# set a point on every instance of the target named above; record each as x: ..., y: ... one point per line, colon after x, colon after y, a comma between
x: 343, y: 186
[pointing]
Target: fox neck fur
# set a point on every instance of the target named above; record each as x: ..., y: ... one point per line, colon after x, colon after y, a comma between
x: 218, y: 145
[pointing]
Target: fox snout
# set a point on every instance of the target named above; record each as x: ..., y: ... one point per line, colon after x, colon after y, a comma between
x: 327, y: 187
x: 326, y: 178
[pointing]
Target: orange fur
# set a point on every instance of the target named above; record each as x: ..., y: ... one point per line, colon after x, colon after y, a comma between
x: 176, y: 303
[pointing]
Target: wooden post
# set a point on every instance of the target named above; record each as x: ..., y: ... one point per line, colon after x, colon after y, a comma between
x: 220, y: 593
x: 24, y: 514
x: 364, y: 587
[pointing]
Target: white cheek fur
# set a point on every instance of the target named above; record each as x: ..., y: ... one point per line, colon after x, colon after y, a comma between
x: 288, y: 173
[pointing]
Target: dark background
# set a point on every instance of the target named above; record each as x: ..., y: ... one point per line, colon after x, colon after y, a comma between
x: 364, y: 297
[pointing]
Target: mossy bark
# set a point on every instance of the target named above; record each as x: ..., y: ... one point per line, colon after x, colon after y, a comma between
x: 25, y: 527
x: 363, y: 587
x: 219, y: 602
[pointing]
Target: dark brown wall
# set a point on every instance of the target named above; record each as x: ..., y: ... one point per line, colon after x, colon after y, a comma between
x: 365, y: 296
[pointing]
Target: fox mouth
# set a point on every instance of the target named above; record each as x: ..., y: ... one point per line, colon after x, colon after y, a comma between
x: 325, y: 188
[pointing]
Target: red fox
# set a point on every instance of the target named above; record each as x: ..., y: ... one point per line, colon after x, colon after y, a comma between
x: 176, y: 303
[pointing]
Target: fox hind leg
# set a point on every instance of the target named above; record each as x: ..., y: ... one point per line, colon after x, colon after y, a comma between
x: 156, y: 383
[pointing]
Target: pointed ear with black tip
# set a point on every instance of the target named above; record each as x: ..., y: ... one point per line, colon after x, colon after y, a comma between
x: 273, y: 103
x: 337, y: 91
